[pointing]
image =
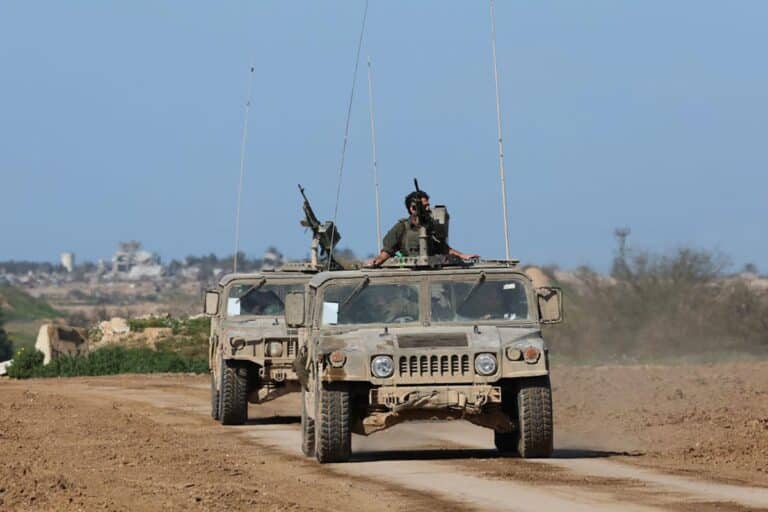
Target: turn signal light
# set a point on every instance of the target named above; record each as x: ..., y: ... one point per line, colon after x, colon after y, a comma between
x: 531, y: 355
x: 337, y: 358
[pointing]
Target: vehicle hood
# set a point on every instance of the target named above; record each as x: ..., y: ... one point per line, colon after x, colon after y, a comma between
x: 256, y: 328
x: 459, y: 338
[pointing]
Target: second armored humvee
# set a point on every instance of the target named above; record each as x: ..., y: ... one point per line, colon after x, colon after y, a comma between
x: 382, y: 346
x: 251, y: 349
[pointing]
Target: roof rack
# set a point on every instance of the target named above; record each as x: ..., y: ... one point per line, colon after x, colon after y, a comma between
x: 443, y: 261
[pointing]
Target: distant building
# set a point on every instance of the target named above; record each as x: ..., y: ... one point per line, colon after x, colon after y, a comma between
x: 68, y: 261
x: 132, y: 263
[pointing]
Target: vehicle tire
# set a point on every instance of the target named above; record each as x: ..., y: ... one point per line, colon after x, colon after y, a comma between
x: 234, y: 393
x: 333, y: 438
x: 215, y: 399
x: 307, y: 429
x: 534, y: 413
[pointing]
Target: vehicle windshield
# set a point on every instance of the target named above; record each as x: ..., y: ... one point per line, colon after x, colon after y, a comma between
x: 364, y: 302
x: 478, y: 299
x: 259, y: 298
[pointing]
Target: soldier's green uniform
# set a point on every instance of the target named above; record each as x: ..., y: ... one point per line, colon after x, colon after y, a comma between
x: 404, y: 238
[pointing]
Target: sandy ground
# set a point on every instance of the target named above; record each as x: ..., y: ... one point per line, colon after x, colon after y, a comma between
x: 692, y: 438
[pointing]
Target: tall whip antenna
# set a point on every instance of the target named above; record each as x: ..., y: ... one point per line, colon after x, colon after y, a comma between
x: 375, y: 163
x: 346, y: 131
x: 501, y: 141
x: 242, y: 169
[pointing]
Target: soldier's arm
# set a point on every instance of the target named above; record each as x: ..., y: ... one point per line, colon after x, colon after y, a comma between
x: 390, y: 245
x: 463, y: 256
x: 444, y: 248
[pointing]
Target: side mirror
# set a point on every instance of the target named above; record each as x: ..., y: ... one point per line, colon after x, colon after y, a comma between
x: 294, y: 309
x: 211, y: 303
x: 550, y: 301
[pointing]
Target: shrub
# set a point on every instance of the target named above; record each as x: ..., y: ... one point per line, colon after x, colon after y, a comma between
x: 25, y: 364
x: 661, y: 306
x: 190, y: 336
x: 105, y: 361
x: 6, y: 347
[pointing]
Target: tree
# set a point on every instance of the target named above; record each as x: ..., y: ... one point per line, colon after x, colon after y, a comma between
x: 6, y: 347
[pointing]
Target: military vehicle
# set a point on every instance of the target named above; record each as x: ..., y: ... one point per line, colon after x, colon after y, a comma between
x: 251, y: 349
x: 424, y: 338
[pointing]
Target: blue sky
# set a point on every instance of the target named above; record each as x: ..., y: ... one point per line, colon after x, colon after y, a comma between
x: 122, y: 120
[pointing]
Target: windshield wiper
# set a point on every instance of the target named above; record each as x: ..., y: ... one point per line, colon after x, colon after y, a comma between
x: 359, y: 288
x: 471, y: 292
x: 252, y: 288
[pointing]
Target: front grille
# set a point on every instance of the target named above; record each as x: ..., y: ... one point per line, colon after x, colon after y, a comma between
x: 293, y: 348
x: 434, y: 366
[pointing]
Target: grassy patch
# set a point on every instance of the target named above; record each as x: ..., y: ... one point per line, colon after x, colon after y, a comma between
x: 104, y: 361
x: 23, y: 333
x: 190, y: 336
x: 19, y: 305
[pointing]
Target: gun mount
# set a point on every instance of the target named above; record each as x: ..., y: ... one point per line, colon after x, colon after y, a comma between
x: 434, y: 224
x: 325, y: 236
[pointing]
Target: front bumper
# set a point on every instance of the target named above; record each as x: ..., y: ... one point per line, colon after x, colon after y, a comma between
x: 477, y: 403
x: 470, y: 397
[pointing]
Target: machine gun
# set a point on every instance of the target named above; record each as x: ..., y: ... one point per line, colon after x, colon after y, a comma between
x: 325, y: 236
x: 433, y: 225
x: 424, y: 215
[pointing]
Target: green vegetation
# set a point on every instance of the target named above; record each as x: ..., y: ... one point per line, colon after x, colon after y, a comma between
x: 22, y: 306
x: 23, y: 333
x: 185, y: 327
x: 104, y: 361
x: 25, y: 363
x: 6, y: 348
x: 190, y: 335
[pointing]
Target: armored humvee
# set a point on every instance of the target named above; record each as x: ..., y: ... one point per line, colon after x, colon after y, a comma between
x: 251, y: 349
x: 421, y: 342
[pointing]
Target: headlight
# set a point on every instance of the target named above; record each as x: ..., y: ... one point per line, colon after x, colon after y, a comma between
x: 274, y: 349
x: 485, y: 364
x: 382, y: 367
x: 514, y: 354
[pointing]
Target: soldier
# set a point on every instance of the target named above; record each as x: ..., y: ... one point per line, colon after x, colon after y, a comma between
x: 258, y: 302
x: 404, y: 235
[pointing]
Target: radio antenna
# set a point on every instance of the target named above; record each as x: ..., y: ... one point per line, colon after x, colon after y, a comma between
x: 501, y: 141
x: 346, y: 130
x: 242, y: 169
x: 375, y: 163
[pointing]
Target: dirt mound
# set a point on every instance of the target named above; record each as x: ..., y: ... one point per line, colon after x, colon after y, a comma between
x: 711, y: 418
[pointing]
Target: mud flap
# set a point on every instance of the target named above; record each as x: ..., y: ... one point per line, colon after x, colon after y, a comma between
x: 299, y: 366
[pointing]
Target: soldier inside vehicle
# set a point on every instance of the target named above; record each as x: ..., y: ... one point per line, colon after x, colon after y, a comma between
x: 259, y: 299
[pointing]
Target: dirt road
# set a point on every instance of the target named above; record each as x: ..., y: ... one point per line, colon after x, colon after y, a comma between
x: 628, y: 438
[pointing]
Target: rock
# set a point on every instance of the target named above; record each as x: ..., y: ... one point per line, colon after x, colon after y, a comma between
x: 119, y: 326
x: 113, y: 330
x: 4, y: 370
x: 56, y: 340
